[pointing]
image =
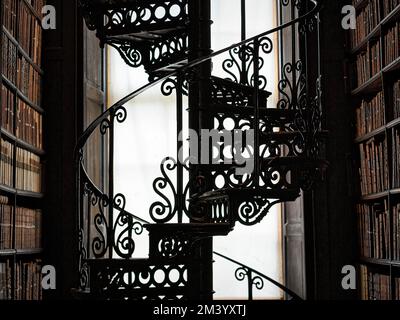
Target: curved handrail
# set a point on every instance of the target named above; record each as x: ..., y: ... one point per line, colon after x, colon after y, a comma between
x: 277, y: 284
x: 87, y: 133
x: 274, y: 282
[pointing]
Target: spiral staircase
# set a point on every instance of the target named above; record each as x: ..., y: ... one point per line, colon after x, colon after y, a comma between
x: 171, y: 39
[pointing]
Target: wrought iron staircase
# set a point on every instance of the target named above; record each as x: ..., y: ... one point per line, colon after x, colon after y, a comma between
x: 161, y: 35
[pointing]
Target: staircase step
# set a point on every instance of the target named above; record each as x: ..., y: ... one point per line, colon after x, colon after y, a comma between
x: 293, y: 162
x: 147, y: 36
x: 272, y: 113
x: 135, y: 279
x: 192, y: 229
x: 249, y: 193
x: 135, y: 17
x: 238, y: 87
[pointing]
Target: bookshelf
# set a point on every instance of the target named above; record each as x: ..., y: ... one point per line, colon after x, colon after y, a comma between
x: 22, y: 151
x: 374, y: 63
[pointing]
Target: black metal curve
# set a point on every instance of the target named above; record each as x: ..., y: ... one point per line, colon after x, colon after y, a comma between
x: 85, y: 136
x: 245, y: 268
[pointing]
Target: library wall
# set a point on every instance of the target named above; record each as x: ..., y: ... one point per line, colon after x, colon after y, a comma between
x: 375, y: 81
x: 22, y: 150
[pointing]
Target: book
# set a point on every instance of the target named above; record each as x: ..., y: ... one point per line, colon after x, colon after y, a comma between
x: 396, y: 99
x: 367, y: 20
x: 392, y: 44
x: 6, y: 163
x: 28, y: 280
x: 370, y: 115
x: 28, y: 228
x: 29, y: 124
x: 5, y: 280
x: 28, y: 171
x: 374, y: 285
x: 374, y: 171
x: 6, y: 227
x: 374, y: 230
x: 7, y: 109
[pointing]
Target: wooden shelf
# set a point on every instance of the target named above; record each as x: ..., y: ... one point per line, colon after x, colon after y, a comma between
x: 21, y: 95
x: 21, y: 193
x: 381, y: 262
x: 20, y: 252
x: 393, y: 123
x: 382, y: 164
x: 376, y: 32
x: 391, y: 17
x: 392, y: 67
x: 21, y: 143
x: 374, y: 84
x: 362, y: 46
x: 395, y: 192
x: 361, y: 4
x: 371, y: 134
x: 375, y: 196
x: 33, y: 11
x: 22, y: 51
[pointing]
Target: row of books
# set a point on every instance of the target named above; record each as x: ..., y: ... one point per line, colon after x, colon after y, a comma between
x: 370, y: 115
x: 392, y: 44
x: 37, y: 5
x: 28, y: 225
x: 396, y: 99
x: 28, y: 171
x: 389, y: 6
x: 5, y: 280
x: 19, y: 71
x: 28, y: 280
x: 396, y: 158
x: 375, y: 58
x: 28, y: 168
x: 6, y: 163
x: 28, y: 122
x: 29, y: 33
x: 374, y: 230
x: 7, y: 111
x: 28, y: 80
x: 6, y: 227
x: 9, y: 15
x: 368, y: 64
x: 374, y: 286
x: 9, y: 58
x: 374, y: 168
x: 397, y: 289
x: 367, y: 19
x: 396, y: 232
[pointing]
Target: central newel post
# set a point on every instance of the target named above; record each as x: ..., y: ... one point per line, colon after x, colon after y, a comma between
x: 200, y: 274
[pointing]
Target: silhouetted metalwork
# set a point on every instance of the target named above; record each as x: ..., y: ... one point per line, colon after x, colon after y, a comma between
x: 211, y: 197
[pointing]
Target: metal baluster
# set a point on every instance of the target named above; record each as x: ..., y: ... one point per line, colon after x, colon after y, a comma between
x: 179, y: 126
x: 250, y: 283
x: 243, y: 75
x: 110, y: 231
x: 256, y: 112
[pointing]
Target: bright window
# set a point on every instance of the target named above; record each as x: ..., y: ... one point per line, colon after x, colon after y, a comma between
x: 149, y: 134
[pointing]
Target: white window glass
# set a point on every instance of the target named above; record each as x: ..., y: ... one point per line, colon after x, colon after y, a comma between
x: 149, y: 135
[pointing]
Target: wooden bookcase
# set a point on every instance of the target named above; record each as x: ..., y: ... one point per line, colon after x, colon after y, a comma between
x: 22, y: 155
x: 375, y: 71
